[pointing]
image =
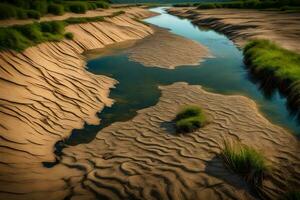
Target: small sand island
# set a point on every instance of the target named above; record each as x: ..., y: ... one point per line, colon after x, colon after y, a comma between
x: 130, y: 100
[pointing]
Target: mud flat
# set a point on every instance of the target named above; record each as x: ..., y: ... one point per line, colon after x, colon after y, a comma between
x: 167, y: 50
x: 241, y: 25
x: 45, y: 93
x: 145, y: 159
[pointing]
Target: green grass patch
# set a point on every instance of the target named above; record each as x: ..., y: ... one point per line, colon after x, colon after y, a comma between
x: 276, y: 67
x: 23, y: 9
x: 291, y: 195
x: 20, y: 37
x: 69, y: 36
x: 250, y: 4
x: 245, y: 161
x: 189, y: 119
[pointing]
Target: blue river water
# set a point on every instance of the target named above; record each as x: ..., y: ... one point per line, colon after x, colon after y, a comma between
x: 138, y: 85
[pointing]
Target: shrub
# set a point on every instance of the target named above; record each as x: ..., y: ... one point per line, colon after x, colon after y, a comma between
x: 77, y: 7
x: 92, y: 6
x: 207, y: 6
x: 31, y: 31
x: 291, y: 195
x: 7, y: 11
x: 54, y: 27
x: 189, y: 119
x: 102, y: 4
x: 21, y: 14
x: 12, y: 39
x: 39, y: 6
x: 77, y: 20
x: 33, y: 14
x: 69, y: 35
x: 245, y: 161
x: 56, y: 9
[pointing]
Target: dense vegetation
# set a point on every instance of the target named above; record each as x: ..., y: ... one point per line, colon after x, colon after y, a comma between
x: 291, y: 195
x: 245, y: 161
x: 253, y: 4
x: 189, y: 119
x: 20, y: 37
x: 275, y: 67
x: 23, y: 9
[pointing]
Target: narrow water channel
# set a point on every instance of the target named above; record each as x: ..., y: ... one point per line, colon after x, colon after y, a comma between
x: 138, y: 85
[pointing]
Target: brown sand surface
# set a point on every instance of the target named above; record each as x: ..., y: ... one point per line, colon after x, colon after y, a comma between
x: 241, y: 25
x: 145, y: 159
x: 167, y: 50
x: 45, y: 93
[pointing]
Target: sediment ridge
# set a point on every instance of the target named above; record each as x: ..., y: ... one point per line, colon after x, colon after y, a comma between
x: 144, y: 158
x: 241, y: 25
x: 46, y: 92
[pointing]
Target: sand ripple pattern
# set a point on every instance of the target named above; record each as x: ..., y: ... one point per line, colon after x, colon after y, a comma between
x: 144, y: 159
x: 45, y: 93
x: 241, y: 25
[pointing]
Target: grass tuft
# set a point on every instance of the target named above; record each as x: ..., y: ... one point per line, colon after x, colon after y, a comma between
x: 276, y: 67
x: 69, y: 36
x: 245, y: 161
x: 291, y: 195
x: 189, y: 119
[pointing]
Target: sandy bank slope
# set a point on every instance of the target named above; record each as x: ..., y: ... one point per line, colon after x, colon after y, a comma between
x: 167, y: 50
x: 144, y: 159
x: 45, y: 92
x: 241, y: 25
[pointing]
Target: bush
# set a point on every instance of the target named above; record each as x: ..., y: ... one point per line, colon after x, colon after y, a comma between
x: 92, y: 6
x: 102, y: 4
x: 31, y: 31
x: 69, y: 36
x: 33, y: 14
x: 12, y: 39
x: 77, y: 7
x: 54, y: 27
x: 207, y: 6
x: 245, y: 161
x: 21, y: 14
x: 291, y: 195
x: 189, y: 119
x: 78, y: 20
x: 7, y: 11
x: 56, y: 9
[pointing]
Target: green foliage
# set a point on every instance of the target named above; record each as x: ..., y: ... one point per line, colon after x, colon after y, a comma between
x: 21, y: 14
x: 79, y: 20
x: 102, y: 4
x: 275, y: 67
x: 12, y: 39
x: 31, y: 31
x: 54, y: 27
x: 56, y: 9
x: 22, y: 36
x: 7, y: 11
x: 33, y: 14
x: 264, y: 57
x: 23, y: 9
x: 245, y: 161
x: 69, y: 35
x: 291, y: 195
x: 253, y: 4
x: 189, y: 119
x: 76, y: 6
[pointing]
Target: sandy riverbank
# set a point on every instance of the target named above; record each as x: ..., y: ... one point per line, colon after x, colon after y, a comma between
x: 144, y: 159
x: 167, y: 50
x: 45, y: 93
x: 242, y: 25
